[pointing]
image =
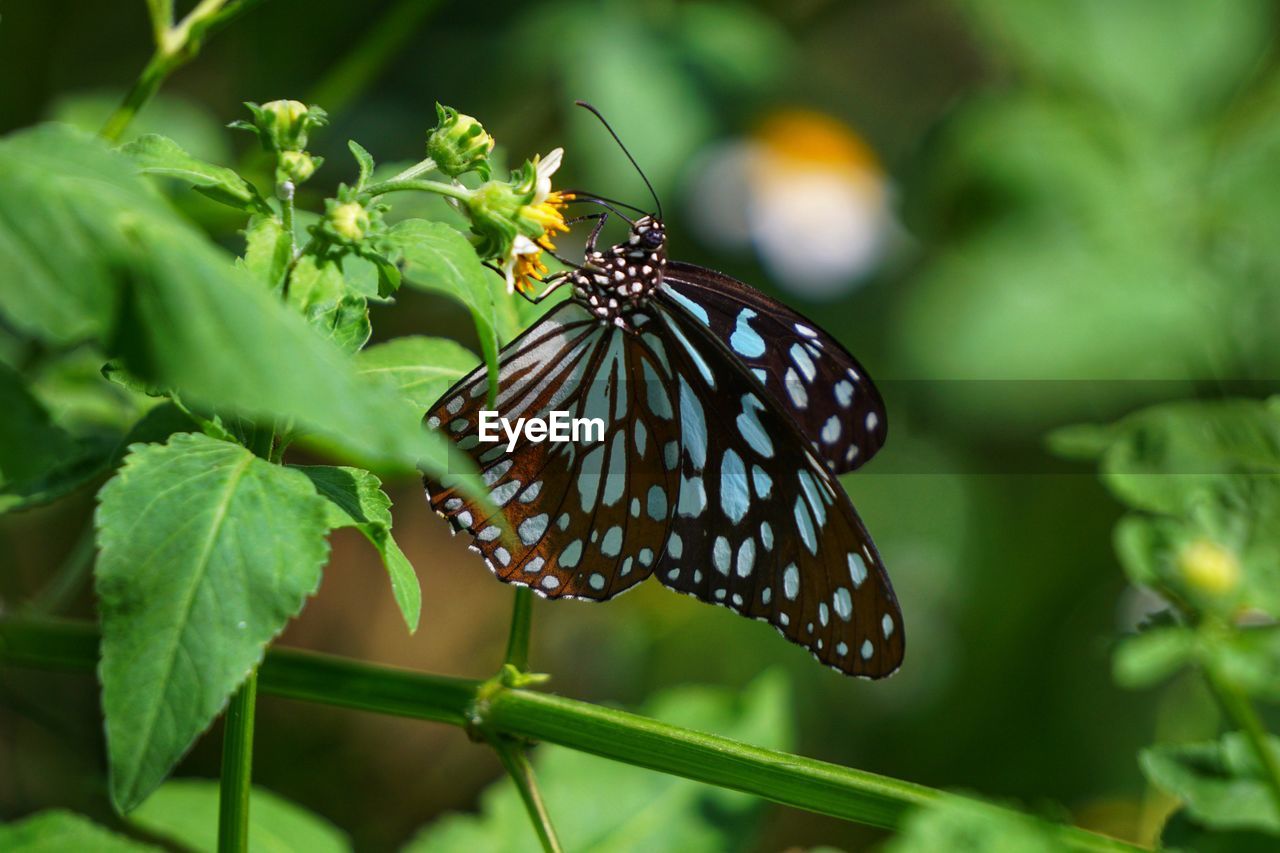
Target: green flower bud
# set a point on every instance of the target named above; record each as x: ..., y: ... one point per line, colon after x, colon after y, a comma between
x: 459, y: 144
x: 494, y: 209
x: 296, y: 166
x: 283, y: 125
x: 350, y: 222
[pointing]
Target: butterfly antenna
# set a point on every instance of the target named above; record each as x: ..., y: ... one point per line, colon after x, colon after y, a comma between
x: 581, y: 199
x: 639, y: 171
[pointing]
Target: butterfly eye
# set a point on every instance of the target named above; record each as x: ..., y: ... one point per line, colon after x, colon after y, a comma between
x: 652, y: 238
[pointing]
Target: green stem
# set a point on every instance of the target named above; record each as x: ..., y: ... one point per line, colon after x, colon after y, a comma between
x: 148, y: 83
x: 521, y: 626
x: 792, y: 780
x: 176, y: 45
x: 362, y: 65
x: 394, y: 186
x: 237, y: 769
x: 1240, y: 709
x: 286, y: 222
x: 521, y: 772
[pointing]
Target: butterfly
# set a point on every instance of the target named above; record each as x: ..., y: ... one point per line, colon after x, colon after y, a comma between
x: 727, y: 418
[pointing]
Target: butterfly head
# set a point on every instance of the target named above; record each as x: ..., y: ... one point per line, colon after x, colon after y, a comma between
x: 615, y: 281
x: 649, y: 235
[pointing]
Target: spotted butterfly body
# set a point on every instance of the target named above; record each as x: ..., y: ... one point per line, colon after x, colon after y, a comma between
x: 727, y: 418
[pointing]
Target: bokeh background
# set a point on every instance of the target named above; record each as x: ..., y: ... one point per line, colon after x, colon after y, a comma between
x: 1018, y: 214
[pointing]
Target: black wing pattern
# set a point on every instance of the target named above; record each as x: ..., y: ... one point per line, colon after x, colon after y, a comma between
x: 760, y: 525
x: 824, y: 388
x: 589, y: 517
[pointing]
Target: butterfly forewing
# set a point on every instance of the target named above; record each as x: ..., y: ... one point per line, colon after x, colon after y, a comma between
x: 760, y: 524
x: 826, y: 392
x: 588, y: 517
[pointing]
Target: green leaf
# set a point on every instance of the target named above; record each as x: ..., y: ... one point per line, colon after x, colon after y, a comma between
x: 88, y: 250
x: 970, y: 825
x: 39, y: 460
x: 320, y: 292
x: 161, y: 156
x: 189, y: 123
x: 364, y: 160
x: 422, y: 368
x: 600, y: 805
x: 1152, y: 656
x: 56, y: 831
x: 268, y: 249
x: 439, y: 259
x: 356, y: 500
x: 205, y: 552
x: 1169, y: 458
x: 30, y: 444
x: 1182, y: 833
x: 185, y: 811
x: 1248, y: 658
x: 1220, y: 782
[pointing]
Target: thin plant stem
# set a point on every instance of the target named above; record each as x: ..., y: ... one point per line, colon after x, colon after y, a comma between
x: 515, y: 761
x: 286, y: 222
x: 237, y: 769
x: 371, y: 55
x: 521, y: 626
x: 1241, y: 711
x: 176, y: 45
x: 438, y: 187
x: 780, y: 777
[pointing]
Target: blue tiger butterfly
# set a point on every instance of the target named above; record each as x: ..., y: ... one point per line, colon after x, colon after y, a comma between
x: 728, y: 417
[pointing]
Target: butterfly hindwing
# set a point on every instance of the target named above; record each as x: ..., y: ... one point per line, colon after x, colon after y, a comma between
x: 825, y: 390
x: 587, y: 518
x: 760, y: 525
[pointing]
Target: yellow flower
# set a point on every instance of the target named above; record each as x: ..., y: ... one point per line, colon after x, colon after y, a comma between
x: 1209, y: 568
x: 537, y: 222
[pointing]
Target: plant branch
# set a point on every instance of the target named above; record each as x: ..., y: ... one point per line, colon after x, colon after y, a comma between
x: 791, y: 780
x: 176, y: 45
x: 393, y: 185
x: 237, y: 769
x: 521, y: 772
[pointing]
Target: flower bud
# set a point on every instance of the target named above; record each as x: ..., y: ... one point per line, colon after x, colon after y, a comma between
x: 350, y: 222
x: 459, y: 144
x: 494, y: 209
x: 283, y: 125
x: 296, y: 166
x: 1209, y: 568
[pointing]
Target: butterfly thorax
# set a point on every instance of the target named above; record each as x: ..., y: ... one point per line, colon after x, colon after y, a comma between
x: 615, y: 282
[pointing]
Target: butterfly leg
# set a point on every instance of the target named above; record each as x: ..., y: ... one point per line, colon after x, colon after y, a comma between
x: 552, y: 282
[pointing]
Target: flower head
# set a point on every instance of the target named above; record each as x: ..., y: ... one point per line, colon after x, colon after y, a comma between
x: 351, y: 222
x: 1209, y: 568
x: 514, y: 221
x: 459, y: 144
x: 283, y: 125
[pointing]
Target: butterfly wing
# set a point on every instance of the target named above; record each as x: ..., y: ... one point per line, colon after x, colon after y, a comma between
x: 588, y: 517
x: 761, y: 525
x: 826, y: 390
